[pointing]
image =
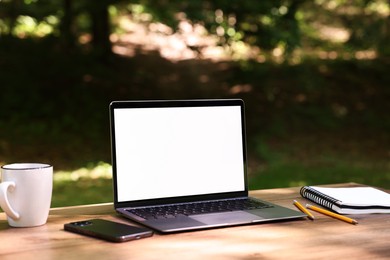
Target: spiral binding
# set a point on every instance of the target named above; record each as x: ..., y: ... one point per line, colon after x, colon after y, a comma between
x: 318, y: 197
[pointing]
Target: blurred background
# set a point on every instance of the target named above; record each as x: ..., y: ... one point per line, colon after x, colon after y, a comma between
x: 314, y: 76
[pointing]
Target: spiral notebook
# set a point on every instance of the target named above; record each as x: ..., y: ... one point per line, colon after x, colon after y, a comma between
x: 352, y: 200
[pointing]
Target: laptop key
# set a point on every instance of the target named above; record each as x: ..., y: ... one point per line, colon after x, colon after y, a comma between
x: 189, y: 209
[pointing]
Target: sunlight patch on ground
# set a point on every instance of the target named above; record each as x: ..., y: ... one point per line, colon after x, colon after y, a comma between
x: 190, y: 41
x: 333, y: 34
x: 237, y: 89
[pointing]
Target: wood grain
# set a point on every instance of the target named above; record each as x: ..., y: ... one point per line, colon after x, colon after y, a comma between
x: 323, y: 238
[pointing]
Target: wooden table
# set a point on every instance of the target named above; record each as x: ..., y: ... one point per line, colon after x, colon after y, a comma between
x: 323, y: 238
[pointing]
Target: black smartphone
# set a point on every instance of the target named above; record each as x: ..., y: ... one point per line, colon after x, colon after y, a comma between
x: 108, y: 230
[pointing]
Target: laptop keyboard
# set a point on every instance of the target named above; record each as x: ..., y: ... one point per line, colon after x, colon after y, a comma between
x: 188, y: 209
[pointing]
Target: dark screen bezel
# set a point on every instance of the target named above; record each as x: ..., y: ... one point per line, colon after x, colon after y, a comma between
x: 176, y: 103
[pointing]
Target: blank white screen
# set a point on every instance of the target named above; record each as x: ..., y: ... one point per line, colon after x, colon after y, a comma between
x: 169, y: 152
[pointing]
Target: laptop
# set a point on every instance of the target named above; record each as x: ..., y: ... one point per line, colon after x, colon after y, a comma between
x: 180, y: 165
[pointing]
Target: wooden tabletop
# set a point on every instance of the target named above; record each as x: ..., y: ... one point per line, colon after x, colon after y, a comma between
x: 323, y: 238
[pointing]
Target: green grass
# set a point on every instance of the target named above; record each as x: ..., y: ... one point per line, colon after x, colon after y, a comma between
x: 293, y: 174
x: 94, y: 184
x: 83, y: 186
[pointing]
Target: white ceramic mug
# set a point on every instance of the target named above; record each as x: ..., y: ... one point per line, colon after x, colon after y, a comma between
x: 25, y: 193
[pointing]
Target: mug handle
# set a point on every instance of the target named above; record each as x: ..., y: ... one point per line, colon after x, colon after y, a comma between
x: 4, y: 203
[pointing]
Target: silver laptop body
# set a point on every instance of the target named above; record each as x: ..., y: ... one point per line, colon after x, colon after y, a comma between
x: 180, y: 154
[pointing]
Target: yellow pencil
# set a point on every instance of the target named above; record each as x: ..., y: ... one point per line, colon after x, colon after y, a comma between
x: 302, y: 208
x: 331, y: 214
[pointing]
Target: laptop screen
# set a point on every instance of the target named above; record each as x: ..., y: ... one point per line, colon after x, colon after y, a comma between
x: 165, y: 152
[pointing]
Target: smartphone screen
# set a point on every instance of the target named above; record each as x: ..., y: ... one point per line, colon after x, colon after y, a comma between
x: 108, y: 230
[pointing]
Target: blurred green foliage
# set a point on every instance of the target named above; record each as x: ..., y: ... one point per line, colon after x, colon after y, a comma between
x: 316, y: 89
x: 268, y: 24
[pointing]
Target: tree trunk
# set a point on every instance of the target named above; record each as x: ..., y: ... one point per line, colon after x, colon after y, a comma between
x: 66, y: 28
x: 101, y: 29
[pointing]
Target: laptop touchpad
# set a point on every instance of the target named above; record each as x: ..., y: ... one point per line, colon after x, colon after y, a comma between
x: 235, y: 217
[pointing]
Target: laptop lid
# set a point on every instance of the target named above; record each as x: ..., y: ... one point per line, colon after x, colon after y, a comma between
x: 177, y: 151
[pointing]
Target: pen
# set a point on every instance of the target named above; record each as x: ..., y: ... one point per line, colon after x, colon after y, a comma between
x: 331, y: 214
x: 301, y: 208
